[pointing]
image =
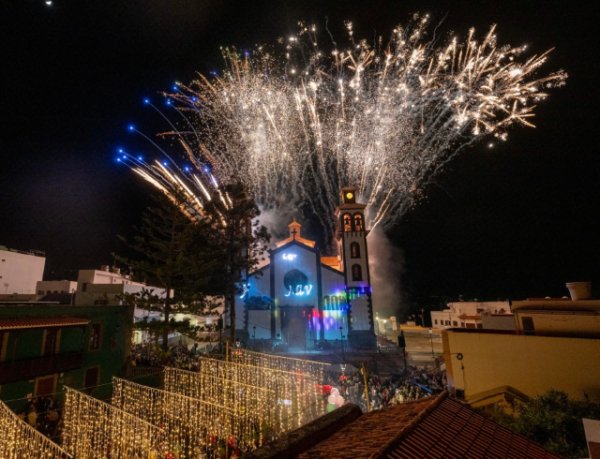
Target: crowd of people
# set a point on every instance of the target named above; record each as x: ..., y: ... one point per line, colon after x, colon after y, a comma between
x: 152, y: 355
x: 414, y: 383
x: 43, y: 414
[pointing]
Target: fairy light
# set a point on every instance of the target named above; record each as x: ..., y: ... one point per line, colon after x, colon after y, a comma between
x: 18, y: 439
x: 188, y: 422
x: 94, y: 429
x: 297, y: 400
x: 243, y: 403
x: 255, y: 417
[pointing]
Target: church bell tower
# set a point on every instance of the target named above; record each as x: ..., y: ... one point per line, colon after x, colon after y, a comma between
x: 352, y: 247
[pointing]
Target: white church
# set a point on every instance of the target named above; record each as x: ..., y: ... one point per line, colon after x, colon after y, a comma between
x: 307, y: 301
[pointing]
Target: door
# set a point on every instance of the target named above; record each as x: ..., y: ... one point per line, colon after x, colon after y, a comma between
x: 294, y: 326
x: 50, y: 341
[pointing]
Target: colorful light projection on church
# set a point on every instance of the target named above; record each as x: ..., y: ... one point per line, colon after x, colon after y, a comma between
x: 296, y: 284
x: 334, y: 318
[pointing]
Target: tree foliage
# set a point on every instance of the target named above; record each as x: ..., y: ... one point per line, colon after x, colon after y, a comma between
x: 194, y: 258
x: 554, y: 421
x: 169, y: 252
x: 239, y: 242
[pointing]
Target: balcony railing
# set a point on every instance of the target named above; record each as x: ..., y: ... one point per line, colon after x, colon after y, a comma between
x: 25, y: 369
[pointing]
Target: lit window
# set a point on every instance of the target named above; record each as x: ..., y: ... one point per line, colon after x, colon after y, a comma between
x: 347, y: 223
x: 358, y: 222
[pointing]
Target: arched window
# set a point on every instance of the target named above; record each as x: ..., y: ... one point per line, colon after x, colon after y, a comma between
x: 354, y: 250
x: 347, y: 223
x: 358, y: 222
x: 356, y: 273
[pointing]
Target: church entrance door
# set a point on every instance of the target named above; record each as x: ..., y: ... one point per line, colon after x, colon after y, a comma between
x: 294, y: 325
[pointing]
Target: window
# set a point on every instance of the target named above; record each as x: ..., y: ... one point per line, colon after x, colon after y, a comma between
x: 90, y: 379
x: 356, y: 273
x: 435, y: 321
x: 454, y: 323
x: 347, y: 223
x: 3, y: 344
x: 50, y: 341
x: 45, y: 385
x: 447, y: 322
x: 95, y: 334
x: 528, y: 327
x: 354, y: 250
x: 358, y: 222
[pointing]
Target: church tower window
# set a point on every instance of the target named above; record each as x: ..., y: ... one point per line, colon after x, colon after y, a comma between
x: 358, y: 222
x: 354, y: 250
x: 356, y: 273
x: 347, y: 223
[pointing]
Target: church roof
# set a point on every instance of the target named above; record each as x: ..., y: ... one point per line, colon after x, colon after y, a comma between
x: 295, y: 228
x: 332, y: 262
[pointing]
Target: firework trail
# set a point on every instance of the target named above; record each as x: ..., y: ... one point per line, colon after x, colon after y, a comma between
x: 295, y: 122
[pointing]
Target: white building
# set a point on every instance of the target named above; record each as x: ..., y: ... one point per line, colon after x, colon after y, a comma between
x: 107, y: 286
x: 468, y: 314
x: 20, y: 271
x: 55, y: 287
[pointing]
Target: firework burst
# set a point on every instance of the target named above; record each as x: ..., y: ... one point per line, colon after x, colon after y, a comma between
x: 297, y: 121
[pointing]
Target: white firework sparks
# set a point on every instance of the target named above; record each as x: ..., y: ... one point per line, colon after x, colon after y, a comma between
x: 295, y: 122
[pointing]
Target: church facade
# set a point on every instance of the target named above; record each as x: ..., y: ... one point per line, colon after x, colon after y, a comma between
x: 307, y: 301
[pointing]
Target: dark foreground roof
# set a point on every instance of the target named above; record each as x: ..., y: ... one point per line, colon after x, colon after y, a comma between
x: 41, y: 322
x: 434, y: 427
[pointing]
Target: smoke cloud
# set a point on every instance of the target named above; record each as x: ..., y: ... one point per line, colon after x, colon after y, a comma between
x: 386, y: 262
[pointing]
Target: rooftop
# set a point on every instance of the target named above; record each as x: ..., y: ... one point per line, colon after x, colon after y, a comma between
x: 41, y: 322
x: 436, y: 426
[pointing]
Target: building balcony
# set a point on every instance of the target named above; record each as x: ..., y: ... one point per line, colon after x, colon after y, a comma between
x: 26, y: 369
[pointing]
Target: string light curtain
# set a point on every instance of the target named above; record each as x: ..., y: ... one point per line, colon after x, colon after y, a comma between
x: 94, y: 429
x: 279, y: 362
x: 256, y: 405
x: 18, y: 440
x: 191, y: 425
x: 296, y: 393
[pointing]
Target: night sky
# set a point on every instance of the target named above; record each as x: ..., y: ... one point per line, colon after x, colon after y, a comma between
x: 515, y: 221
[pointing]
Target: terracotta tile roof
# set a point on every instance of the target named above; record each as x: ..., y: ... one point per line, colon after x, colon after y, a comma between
x: 435, y: 427
x: 450, y: 429
x: 41, y: 322
x: 332, y: 262
x: 365, y: 436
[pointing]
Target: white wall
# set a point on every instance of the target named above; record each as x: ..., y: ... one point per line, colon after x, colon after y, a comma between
x: 20, y: 272
x: 59, y: 286
x: 295, y: 257
x: 450, y: 317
